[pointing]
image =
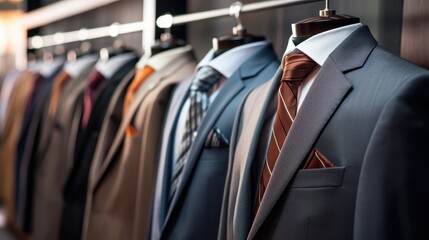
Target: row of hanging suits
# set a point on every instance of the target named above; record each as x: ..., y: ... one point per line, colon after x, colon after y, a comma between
x: 172, y: 149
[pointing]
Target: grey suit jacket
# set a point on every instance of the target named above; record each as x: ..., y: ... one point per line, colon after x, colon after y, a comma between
x: 123, y: 170
x: 55, y: 163
x: 194, y: 211
x: 367, y: 113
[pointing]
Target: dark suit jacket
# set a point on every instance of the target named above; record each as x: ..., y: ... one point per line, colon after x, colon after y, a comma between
x: 75, y: 189
x: 27, y: 149
x: 367, y: 113
x: 194, y: 211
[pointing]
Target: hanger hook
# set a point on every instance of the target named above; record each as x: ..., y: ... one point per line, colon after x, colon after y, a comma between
x: 235, y: 10
x: 166, y: 22
x: 326, y: 12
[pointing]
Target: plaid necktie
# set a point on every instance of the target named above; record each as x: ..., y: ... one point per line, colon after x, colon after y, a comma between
x: 297, y: 67
x: 205, y: 81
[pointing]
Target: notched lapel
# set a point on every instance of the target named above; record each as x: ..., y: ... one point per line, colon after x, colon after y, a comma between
x: 232, y: 86
x: 253, y: 68
x: 115, y: 144
x: 252, y: 130
x: 179, y: 97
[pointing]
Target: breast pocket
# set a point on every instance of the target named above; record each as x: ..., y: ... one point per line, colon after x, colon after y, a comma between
x: 320, y: 177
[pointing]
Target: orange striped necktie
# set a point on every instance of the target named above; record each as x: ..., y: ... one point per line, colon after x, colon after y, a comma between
x: 57, y: 90
x: 138, y: 80
x: 297, y: 67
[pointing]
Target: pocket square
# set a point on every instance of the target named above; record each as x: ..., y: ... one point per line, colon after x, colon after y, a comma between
x: 317, y: 160
x: 216, y: 139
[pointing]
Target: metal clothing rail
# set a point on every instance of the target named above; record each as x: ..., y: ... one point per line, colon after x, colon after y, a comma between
x: 164, y: 21
x: 84, y: 34
x: 60, y: 10
x: 167, y: 20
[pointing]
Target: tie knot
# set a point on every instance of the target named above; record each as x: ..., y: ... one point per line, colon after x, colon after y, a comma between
x: 205, y: 78
x: 297, y: 66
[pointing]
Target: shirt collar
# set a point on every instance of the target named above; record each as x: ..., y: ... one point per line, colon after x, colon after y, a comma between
x: 163, y: 59
x: 50, y: 68
x: 320, y: 46
x: 74, y: 69
x: 228, y: 62
x: 111, y: 66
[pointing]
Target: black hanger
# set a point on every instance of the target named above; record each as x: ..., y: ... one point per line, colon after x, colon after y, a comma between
x: 84, y: 49
x: 239, y: 36
x: 166, y: 42
x: 326, y: 21
x: 116, y: 49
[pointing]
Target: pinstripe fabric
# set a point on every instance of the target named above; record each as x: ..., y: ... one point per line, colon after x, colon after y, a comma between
x: 297, y: 67
x: 206, y: 80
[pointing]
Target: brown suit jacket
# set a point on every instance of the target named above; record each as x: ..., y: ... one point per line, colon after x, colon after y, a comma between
x: 122, y: 174
x: 9, y: 139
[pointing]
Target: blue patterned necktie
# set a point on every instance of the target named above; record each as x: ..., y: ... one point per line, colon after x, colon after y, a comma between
x: 205, y: 81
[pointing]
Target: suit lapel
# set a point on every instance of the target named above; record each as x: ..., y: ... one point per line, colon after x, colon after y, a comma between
x: 329, y: 89
x: 115, y: 145
x: 253, y: 129
x: 161, y: 205
x: 142, y: 92
x: 232, y: 86
x: 120, y: 135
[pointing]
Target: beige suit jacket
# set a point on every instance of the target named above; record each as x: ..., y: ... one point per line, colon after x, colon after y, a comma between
x: 9, y: 139
x: 123, y: 173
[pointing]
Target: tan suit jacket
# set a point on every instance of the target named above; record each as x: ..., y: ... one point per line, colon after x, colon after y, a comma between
x: 122, y: 174
x: 9, y: 139
x: 56, y: 161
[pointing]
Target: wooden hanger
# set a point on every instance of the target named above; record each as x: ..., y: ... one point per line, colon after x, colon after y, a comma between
x: 239, y: 36
x: 327, y: 20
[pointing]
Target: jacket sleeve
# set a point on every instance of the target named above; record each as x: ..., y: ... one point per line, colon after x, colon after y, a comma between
x: 393, y: 192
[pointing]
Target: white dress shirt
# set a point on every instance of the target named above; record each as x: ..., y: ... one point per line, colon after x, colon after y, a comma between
x: 318, y: 48
x: 74, y: 69
x: 109, y: 67
x: 226, y: 64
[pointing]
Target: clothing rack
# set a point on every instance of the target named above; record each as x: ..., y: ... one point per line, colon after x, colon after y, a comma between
x: 167, y: 21
x: 147, y: 25
x: 61, y: 10
x: 84, y: 34
x: 164, y: 21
